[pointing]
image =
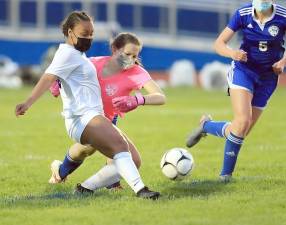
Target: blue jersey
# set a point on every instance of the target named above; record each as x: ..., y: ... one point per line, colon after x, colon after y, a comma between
x: 262, y: 42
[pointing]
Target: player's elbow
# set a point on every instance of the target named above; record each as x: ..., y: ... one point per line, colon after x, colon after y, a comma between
x: 216, y: 45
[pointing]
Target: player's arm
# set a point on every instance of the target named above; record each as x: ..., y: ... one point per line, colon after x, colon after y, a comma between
x: 43, y: 85
x: 223, y: 49
x: 155, y: 95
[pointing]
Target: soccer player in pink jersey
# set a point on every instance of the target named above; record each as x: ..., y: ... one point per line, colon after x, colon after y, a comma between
x: 118, y: 75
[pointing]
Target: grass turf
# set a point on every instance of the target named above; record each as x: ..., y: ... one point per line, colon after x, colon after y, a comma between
x: 256, y: 196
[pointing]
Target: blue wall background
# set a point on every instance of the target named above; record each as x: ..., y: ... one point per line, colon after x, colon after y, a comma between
x: 188, y: 22
x: 31, y: 53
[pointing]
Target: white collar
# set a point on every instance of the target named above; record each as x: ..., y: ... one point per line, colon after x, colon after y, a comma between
x: 262, y: 25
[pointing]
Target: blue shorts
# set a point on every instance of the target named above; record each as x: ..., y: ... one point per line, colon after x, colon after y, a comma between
x: 261, y: 87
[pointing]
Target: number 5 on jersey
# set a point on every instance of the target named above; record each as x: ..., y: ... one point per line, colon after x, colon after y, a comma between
x: 263, y: 46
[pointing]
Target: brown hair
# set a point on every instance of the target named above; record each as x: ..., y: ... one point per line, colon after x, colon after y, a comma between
x: 123, y: 39
x: 73, y: 19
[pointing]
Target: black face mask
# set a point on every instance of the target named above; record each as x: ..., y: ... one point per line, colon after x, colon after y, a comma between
x: 83, y: 44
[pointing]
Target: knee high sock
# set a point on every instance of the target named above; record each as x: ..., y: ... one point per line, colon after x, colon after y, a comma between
x: 216, y: 128
x: 128, y: 171
x: 232, y: 147
x: 105, y: 177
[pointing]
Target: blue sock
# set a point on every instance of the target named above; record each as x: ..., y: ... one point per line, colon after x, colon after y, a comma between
x: 232, y: 146
x: 216, y: 128
x: 69, y: 165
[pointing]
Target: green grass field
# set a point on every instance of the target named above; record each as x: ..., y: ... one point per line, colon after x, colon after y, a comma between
x: 256, y: 196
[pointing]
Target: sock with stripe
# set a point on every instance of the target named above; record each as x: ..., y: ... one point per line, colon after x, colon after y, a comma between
x: 232, y: 146
x: 216, y: 128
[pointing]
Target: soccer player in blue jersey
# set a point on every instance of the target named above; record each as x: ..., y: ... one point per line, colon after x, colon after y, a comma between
x: 253, y: 76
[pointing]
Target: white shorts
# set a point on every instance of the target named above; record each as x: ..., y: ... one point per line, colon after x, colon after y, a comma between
x: 76, y: 124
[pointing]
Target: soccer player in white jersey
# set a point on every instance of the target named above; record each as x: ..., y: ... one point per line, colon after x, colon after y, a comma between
x: 119, y: 75
x: 82, y: 105
x: 253, y: 76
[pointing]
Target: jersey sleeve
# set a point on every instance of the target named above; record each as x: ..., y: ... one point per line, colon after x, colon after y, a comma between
x: 95, y: 60
x: 140, y: 78
x: 235, y: 22
x: 63, y: 64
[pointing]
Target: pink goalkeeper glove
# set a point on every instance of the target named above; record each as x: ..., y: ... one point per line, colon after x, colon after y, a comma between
x: 127, y: 103
x: 55, y: 88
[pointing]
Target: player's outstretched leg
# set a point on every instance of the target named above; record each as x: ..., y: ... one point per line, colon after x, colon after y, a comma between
x: 102, y: 135
x: 108, y: 175
x: 122, y: 165
x: 198, y: 133
x: 207, y: 126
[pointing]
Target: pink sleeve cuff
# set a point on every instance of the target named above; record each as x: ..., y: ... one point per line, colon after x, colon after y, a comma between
x: 140, y: 98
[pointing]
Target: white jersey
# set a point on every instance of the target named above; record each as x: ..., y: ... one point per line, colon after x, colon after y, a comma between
x: 80, y: 90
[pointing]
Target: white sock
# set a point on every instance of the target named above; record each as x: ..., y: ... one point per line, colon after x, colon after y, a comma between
x: 105, y: 177
x: 128, y: 171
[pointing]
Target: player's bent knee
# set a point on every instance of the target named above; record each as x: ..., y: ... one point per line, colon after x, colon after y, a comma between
x: 87, y: 151
x: 242, y: 125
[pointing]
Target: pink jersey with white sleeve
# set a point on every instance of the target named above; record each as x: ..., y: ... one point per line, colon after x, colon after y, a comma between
x: 120, y: 84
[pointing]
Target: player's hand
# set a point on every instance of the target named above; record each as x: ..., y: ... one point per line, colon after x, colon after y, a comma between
x: 279, y: 66
x: 21, y: 109
x: 239, y: 55
x: 125, y: 103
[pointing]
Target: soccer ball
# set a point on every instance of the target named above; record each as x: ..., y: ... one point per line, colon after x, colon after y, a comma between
x: 177, y: 163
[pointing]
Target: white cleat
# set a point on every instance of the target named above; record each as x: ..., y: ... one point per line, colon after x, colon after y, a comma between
x: 55, y: 168
x: 225, y: 178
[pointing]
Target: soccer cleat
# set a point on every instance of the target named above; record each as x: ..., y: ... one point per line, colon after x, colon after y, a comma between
x: 55, y: 168
x: 115, y: 187
x: 225, y: 178
x: 198, y: 133
x: 148, y: 194
x: 80, y: 190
